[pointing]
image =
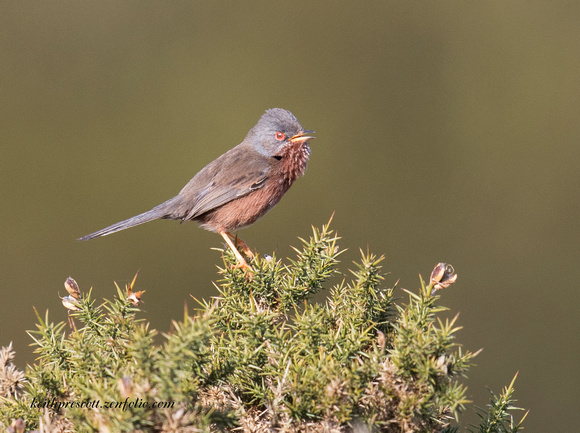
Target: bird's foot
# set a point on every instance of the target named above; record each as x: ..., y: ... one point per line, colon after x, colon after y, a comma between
x: 245, y: 248
x: 241, y: 262
x: 242, y: 265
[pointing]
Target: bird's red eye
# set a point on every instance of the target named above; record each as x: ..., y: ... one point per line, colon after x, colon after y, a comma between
x: 280, y: 136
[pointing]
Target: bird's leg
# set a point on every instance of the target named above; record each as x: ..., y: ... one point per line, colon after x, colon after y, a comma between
x: 241, y: 261
x: 244, y: 246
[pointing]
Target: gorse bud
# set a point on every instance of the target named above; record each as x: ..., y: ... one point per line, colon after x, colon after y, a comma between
x: 72, y: 288
x: 443, y: 276
x: 70, y: 303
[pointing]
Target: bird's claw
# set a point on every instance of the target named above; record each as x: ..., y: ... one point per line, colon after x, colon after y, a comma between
x: 245, y: 248
x: 242, y: 265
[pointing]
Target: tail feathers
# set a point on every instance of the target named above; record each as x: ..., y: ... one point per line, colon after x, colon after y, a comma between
x: 153, y: 214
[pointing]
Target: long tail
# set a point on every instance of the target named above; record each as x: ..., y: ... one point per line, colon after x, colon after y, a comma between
x: 157, y: 212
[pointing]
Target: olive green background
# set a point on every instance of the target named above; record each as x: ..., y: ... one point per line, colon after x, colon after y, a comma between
x: 446, y: 131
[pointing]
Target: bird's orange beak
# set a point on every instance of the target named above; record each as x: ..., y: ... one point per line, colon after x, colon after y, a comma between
x: 301, y: 136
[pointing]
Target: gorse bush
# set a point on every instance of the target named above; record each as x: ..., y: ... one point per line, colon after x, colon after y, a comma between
x: 259, y: 357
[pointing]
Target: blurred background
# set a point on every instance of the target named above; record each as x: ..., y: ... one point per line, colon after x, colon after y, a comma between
x: 447, y: 131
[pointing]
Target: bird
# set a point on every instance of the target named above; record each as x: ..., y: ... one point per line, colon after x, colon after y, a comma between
x: 240, y: 186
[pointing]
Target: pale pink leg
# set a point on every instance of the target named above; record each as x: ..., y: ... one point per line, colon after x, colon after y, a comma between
x: 241, y: 261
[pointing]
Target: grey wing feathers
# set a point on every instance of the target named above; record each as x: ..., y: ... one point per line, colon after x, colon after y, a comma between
x: 215, y: 196
x: 215, y: 186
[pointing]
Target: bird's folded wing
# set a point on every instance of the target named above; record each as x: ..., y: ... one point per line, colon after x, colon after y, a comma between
x: 215, y: 196
x: 233, y: 175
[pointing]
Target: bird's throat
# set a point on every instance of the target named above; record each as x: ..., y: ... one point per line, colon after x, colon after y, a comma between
x: 294, y: 161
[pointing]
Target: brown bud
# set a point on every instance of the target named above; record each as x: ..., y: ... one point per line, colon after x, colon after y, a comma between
x: 18, y: 426
x: 442, y: 276
x: 442, y: 364
x: 381, y: 340
x: 126, y: 386
x: 70, y: 303
x: 135, y: 297
x: 72, y: 288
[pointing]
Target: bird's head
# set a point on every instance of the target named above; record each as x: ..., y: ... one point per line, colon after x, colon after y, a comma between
x: 276, y: 129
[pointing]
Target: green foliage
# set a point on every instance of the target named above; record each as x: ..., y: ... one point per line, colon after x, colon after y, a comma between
x: 113, y: 358
x: 422, y: 351
x: 259, y: 357
x: 497, y: 418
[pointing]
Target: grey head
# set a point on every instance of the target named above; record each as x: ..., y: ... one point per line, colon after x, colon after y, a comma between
x: 276, y: 129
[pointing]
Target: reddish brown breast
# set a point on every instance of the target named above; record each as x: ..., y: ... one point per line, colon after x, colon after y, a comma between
x: 294, y: 161
x: 246, y: 210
